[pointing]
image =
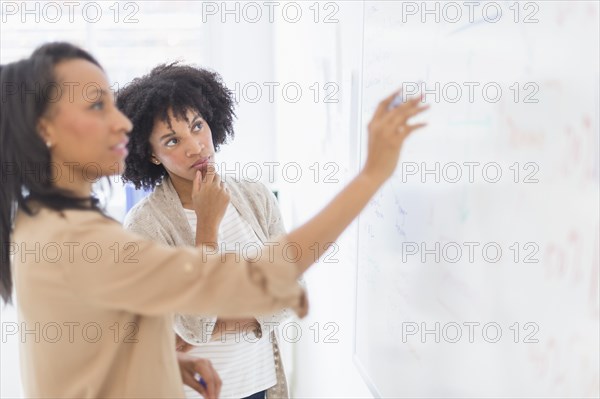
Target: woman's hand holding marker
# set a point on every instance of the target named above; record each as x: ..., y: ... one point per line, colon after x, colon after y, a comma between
x: 200, y: 375
x: 387, y: 131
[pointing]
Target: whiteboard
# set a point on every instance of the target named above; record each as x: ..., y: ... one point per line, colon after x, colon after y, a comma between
x: 478, y: 261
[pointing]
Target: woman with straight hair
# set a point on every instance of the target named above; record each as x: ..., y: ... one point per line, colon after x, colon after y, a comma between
x: 99, y: 297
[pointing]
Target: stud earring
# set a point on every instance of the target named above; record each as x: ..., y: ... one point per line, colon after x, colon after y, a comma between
x: 48, y: 144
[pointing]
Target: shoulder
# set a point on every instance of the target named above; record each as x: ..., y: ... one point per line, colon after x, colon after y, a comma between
x: 258, y: 198
x: 47, y: 225
x: 59, y: 219
x: 138, y: 213
x: 149, y: 216
x: 251, y: 190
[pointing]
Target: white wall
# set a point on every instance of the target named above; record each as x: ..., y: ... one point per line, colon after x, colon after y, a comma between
x: 10, y: 374
x: 309, y: 131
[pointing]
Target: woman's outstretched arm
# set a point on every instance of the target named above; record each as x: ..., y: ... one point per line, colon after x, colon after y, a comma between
x: 387, y: 131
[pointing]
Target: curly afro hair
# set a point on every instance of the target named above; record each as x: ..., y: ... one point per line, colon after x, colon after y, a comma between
x: 178, y: 88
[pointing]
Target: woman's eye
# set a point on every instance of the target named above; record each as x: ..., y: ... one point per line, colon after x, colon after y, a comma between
x: 98, y: 105
x: 171, y: 142
x: 198, y: 126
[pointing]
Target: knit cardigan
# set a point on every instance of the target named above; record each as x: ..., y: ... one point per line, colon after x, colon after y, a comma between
x: 161, y: 217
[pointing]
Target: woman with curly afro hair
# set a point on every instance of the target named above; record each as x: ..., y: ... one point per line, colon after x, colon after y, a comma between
x: 176, y: 89
x: 181, y: 115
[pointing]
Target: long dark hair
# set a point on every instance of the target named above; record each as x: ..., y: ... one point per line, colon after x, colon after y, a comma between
x: 25, y: 167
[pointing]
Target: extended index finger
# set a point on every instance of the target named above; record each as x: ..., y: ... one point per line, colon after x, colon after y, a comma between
x: 210, y: 173
x: 197, y: 182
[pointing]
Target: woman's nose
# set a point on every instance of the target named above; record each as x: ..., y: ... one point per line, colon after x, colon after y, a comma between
x: 122, y: 122
x: 195, y: 147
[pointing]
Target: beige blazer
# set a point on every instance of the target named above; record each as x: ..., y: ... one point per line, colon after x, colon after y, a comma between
x: 160, y: 216
x: 95, y: 303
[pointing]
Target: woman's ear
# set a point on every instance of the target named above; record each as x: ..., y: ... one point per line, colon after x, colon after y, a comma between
x: 154, y: 160
x: 45, y: 132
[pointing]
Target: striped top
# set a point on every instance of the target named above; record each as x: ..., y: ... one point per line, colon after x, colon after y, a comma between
x: 244, y: 362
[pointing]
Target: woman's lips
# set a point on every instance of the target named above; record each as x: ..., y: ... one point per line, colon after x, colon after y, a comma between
x: 201, y: 164
x: 120, y: 149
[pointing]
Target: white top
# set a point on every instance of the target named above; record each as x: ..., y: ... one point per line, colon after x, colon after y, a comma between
x: 245, y: 363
